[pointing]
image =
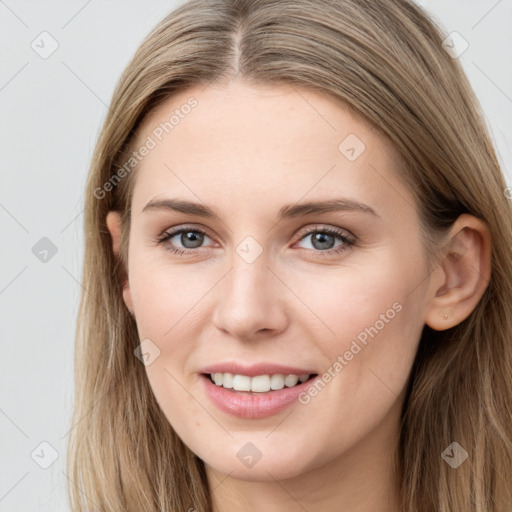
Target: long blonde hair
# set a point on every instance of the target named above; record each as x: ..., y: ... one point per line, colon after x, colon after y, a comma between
x: 385, y: 61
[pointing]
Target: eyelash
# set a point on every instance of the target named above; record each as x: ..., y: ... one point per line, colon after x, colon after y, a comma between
x: 348, y: 241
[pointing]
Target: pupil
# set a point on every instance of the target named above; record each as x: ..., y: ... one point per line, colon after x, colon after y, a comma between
x: 321, y: 237
x: 191, y: 237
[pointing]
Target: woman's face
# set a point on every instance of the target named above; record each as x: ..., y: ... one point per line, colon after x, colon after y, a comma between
x: 302, y: 258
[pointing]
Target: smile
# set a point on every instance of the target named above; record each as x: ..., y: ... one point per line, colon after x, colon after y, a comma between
x: 258, y: 383
x: 256, y: 396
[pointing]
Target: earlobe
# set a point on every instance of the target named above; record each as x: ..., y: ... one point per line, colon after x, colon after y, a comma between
x: 127, y: 297
x: 464, y: 272
x: 113, y: 221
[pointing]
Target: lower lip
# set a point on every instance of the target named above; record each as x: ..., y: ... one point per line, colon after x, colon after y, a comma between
x: 253, y: 405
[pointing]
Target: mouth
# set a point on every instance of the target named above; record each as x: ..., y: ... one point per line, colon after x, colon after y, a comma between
x: 255, y: 390
x: 255, y: 396
x: 258, y: 384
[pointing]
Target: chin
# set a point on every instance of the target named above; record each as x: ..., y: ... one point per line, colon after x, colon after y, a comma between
x: 268, y: 471
x: 244, y: 461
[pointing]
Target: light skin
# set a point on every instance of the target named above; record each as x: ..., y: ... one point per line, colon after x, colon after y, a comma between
x: 246, y: 151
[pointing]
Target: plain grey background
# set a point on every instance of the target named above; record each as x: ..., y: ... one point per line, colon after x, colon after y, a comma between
x: 51, y: 112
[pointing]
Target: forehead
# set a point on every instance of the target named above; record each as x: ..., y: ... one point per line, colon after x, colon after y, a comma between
x: 245, y: 144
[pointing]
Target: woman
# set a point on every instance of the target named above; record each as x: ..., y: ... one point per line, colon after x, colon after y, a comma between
x: 297, y: 271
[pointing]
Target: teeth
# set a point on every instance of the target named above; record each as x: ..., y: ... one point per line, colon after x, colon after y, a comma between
x: 228, y: 380
x: 259, y: 383
x: 291, y: 380
x: 241, y: 383
x: 277, y: 382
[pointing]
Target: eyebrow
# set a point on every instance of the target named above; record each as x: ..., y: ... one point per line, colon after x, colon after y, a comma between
x: 286, y: 212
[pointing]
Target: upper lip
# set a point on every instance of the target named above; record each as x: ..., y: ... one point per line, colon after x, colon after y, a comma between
x: 253, y: 370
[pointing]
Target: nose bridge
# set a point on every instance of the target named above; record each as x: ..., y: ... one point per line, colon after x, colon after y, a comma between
x: 248, y: 285
x: 249, y: 276
x: 248, y: 299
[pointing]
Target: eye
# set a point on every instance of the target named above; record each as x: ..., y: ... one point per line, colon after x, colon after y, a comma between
x: 323, y: 240
x: 190, y: 238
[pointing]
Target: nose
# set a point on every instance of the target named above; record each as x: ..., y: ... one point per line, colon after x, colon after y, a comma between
x: 251, y: 301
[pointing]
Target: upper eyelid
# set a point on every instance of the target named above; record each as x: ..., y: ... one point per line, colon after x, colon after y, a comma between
x: 177, y: 230
x: 324, y: 227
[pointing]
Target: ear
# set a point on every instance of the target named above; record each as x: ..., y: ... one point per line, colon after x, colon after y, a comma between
x: 114, y: 226
x: 462, y: 275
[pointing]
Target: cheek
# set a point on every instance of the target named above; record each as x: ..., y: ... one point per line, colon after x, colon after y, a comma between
x: 349, y: 303
x: 164, y: 296
x: 369, y: 328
